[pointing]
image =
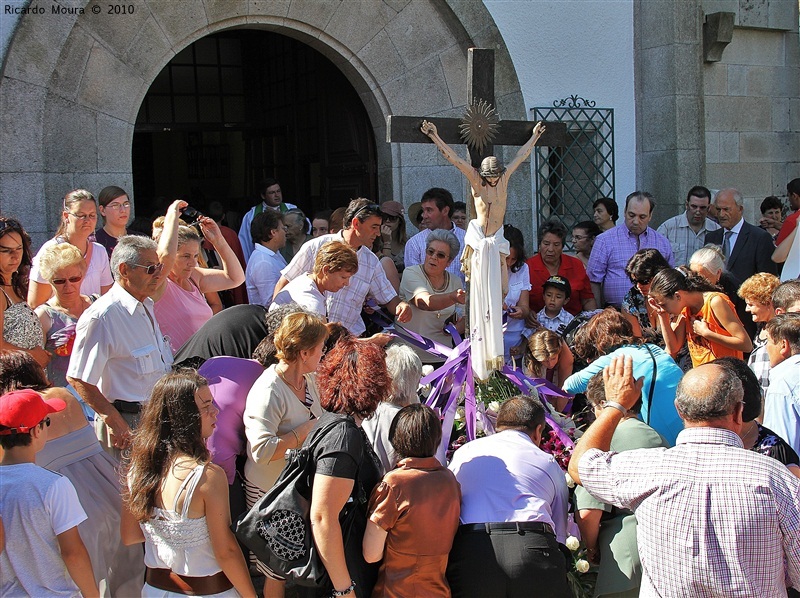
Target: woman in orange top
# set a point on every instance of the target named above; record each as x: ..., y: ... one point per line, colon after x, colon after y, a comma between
x: 706, y: 318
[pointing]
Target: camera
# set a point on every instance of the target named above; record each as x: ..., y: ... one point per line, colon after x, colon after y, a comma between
x: 189, y: 215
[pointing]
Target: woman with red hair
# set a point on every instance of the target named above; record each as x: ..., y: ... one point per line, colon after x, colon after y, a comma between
x: 352, y: 381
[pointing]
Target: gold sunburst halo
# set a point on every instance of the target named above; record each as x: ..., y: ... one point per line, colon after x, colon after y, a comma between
x: 479, y: 125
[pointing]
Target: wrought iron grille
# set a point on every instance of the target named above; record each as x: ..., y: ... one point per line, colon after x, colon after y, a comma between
x: 569, y: 179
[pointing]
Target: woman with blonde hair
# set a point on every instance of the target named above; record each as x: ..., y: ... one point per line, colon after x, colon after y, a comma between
x: 335, y: 263
x: 180, y: 305
x: 541, y: 353
x: 77, y: 225
x: 177, y: 500
x: 281, y: 409
x: 757, y: 294
x: 63, y: 267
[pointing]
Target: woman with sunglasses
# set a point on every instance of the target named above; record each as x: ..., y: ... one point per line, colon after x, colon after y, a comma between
x: 63, y: 267
x: 115, y: 207
x: 77, y: 225
x: 180, y: 305
x: 20, y: 326
x: 433, y: 293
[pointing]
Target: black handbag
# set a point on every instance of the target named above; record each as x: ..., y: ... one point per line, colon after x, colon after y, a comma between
x: 277, y: 529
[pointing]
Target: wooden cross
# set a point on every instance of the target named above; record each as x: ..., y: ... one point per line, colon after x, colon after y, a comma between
x: 480, y: 86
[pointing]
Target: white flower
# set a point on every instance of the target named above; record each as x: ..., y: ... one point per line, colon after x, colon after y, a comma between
x: 570, y: 481
x: 459, y: 414
x: 573, y: 543
x: 479, y: 425
x: 494, y: 406
x: 581, y: 566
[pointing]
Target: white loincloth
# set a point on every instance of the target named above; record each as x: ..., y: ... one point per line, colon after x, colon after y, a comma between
x: 486, y: 299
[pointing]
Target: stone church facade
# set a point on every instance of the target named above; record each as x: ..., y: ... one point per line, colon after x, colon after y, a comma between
x: 73, y: 82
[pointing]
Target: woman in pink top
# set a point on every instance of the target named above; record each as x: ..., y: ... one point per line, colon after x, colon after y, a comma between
x: 180, y: 307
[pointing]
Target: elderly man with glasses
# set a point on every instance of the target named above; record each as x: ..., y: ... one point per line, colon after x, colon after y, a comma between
x: 119, y: 350
x: 687, y: 232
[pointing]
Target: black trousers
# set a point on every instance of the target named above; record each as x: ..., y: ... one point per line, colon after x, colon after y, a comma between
x: 505, y: 564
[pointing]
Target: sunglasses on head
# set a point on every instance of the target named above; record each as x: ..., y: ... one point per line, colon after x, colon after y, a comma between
x: 72, y: 279
x: 10, y: 223
x: 151, y: 269
x: 371, y: 209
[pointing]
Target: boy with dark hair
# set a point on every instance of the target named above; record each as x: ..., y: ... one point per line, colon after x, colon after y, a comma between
x: 553, y: 316
x: 40, y: 509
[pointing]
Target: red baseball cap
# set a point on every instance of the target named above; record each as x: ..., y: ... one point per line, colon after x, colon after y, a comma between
x: 22, y: 410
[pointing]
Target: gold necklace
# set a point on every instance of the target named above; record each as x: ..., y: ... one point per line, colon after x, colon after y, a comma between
x: 296, y: 388
x: 436, y: 289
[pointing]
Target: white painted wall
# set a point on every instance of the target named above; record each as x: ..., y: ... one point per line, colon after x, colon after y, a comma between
x: 581, y: 47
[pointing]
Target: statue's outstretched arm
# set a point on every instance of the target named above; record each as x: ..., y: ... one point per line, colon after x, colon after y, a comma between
x: 429, y: 129
x: 526, y: 149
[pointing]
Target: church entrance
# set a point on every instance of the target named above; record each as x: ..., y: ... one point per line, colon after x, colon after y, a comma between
x: 242, y: 105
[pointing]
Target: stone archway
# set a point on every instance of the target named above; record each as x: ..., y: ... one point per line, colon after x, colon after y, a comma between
x: 72, y: 85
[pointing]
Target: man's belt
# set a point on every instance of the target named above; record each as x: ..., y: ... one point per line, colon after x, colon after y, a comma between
x: 516, y: 526
x: 167, y: 580
x: 127, y: 406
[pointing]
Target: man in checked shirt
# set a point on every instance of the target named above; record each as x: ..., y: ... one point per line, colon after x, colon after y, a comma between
x: 714, y: 520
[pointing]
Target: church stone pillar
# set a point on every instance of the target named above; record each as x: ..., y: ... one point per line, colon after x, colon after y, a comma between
x: 668, y: 59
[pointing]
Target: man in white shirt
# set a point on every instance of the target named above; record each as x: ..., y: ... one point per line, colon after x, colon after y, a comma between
x: 269, y: 190
x: 514, y: 502
x: 437, y: 207
x: 264, y: 268
x: 687, y: 232
x: 362, y: 225
x: 120, y: 352
x: 782, y: 401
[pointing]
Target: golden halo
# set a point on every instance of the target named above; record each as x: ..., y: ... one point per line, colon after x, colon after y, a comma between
x: 479, y: 125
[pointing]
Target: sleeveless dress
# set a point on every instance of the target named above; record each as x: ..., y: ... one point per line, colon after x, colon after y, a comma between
x: 176, y: 542
x: 79, y: 457
x: 702, y: 350
x: 181, y: 313
x: 21, y: 326
x: 60, y: 339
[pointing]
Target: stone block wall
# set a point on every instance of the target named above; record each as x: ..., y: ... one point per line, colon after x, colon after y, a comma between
x: 752, y: 102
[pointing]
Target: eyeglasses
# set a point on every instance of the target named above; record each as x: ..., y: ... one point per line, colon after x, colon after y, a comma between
x: 45, y: 422
x: 641, y: 282
x: 72, y: 279
x: 12, y: 224
x: 438, y: 254
x: 83, y: 217
x: 125, y: 205
x: 151, y: 269
x: 579, y: 237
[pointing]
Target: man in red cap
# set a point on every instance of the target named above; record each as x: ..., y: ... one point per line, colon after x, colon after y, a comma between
x: 39, y: 509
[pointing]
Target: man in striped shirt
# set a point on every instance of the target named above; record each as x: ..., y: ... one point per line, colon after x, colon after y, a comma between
x: 713, y: 519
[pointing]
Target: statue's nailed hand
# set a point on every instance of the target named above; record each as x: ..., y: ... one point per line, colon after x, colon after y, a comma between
x: 428, y: 128
x: 538, y: 130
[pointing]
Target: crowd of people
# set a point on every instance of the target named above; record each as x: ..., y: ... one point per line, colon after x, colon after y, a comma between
x: 145, y: 401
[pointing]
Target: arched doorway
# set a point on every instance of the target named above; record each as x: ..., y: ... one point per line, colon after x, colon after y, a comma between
x: 241, y: 105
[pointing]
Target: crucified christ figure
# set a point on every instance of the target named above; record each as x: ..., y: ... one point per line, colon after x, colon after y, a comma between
x: 486, y: 248
x: 489, y: 187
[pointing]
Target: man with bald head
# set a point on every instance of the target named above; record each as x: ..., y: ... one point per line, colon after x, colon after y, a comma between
x: 747, y: 248
x: 713, y: 518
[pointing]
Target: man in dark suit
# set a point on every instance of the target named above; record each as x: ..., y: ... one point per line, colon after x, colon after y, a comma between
x: 747, y: 248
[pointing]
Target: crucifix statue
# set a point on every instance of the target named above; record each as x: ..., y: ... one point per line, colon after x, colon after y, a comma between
x: 483, y: 260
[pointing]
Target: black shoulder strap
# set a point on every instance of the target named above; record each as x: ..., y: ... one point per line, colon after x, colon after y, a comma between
x: 652, y: 382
